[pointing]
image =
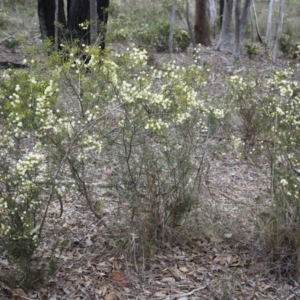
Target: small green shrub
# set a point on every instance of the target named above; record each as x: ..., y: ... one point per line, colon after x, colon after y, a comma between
x: 288, y: 46
x: 147, y: 25
x: 11, y: 44
x: 269, y: 111
x: 252, y: 50
x: 4, y: 21
x: 182, y: 39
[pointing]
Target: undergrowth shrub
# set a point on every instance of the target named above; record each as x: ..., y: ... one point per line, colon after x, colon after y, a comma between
x: 61, y: 127
x: 147, y: 26
x: 38, y: 138
x: 269, y: 111
x: 158, y: 158
x: 252, y: 50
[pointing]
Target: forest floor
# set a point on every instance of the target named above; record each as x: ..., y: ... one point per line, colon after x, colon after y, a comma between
x: 224, y: 262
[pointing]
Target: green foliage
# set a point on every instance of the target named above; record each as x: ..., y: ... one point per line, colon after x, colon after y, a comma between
x: 182, y: 39
x: 55, y: 123
x: 154, y: 154
x: 285, y: 44
x: 147, y: 25
x: 269, y: 111
x: 3, y: 19
x: 252, y: 50
x: 11, y: 44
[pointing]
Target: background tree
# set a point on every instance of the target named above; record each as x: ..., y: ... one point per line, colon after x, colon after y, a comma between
x: 46, y: 13
x: 228, y: 42
x: 172, y: 26
x: 269, y: 24
x: 226, y: 39
x: 240, y: 25
x: 77, y: 20
x: 278, y: 31
x: 202, y: 23
x: 221, y: 11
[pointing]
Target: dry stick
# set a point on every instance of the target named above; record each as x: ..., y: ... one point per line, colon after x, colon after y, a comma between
x: 192, y: 292
x: 172, y: 26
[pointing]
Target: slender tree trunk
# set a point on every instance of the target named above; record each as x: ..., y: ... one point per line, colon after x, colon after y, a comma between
x: 256, y: 22
x: 269, y: 25
x: 226, y: 39
x: 56, y: 23
x: 79, y: 24
x: 244, y: 18
x: 102, y: 11
x: 278, y: 30
x: 238, y: 30
x: 213, y: 15
x: 78, y: 15
x: 46, y: 13
x: 221, y: 12
x: 202, y: 23
x: 172, y: 26
x: 93, y: 21
x: 187, y: 12
x: 212, y: 12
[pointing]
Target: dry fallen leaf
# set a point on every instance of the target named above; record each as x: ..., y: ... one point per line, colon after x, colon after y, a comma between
x: 111, y: 296
x: 160, y: 295
x: 168, y: 279
x: 120, y: 278
x: 184, y: 269
x: 19, y: 293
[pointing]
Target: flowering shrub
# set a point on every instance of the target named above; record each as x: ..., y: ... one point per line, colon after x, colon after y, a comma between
x: 66, y: 120
x: 160, y: 114
x: 269, y: 110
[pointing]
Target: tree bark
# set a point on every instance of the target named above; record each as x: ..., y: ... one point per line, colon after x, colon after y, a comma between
x: 212, y: 12
x: 187, y: 12
x: 78, y: 15
x: 172, y: 26
x: 244, y: 18
x: 78, y: 12
x: 238, y: 30
x: 56, y: 27
x: 202, y: 23
x: 93, y: 21
x: 256, y: 23
x: 46, y: 12
x: 226, y: 39
x: 269, y: 24
x: 240, y: 26
x: 278, y: 31
x: 221, y: 12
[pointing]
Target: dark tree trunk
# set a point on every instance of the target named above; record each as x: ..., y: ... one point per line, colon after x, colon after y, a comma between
x: 221, y: 12
x: 103, y: 18
x: 78, y: 13
x: 202, y: 24
x: 46, y: 12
